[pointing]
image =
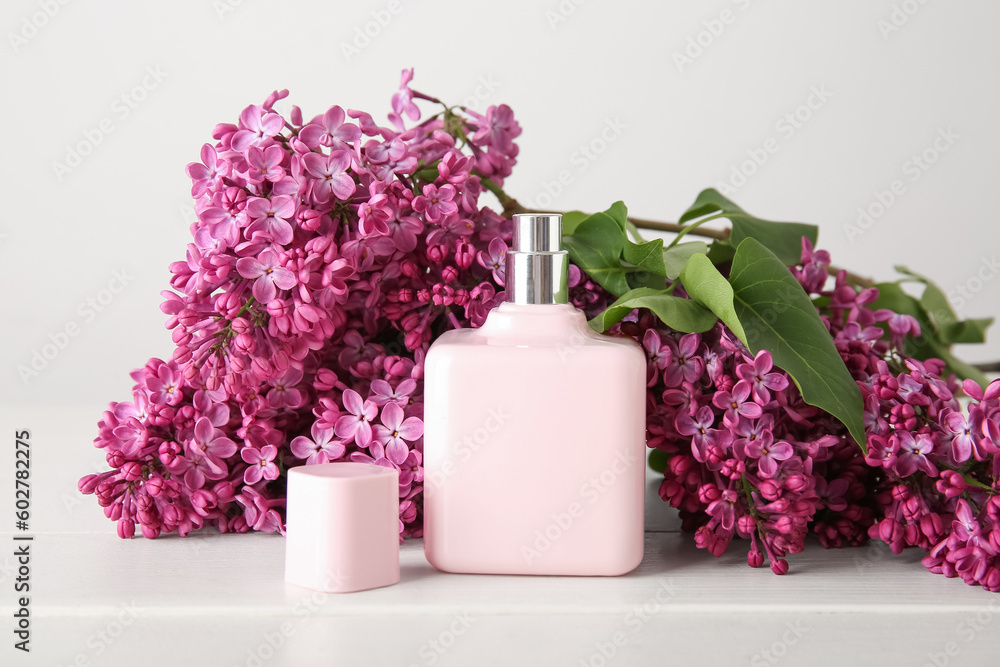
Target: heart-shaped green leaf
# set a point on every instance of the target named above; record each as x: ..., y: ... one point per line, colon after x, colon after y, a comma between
x: 600, y: 246
x: 647, y: 256
x: 783, y: 238
x: 596, y: 247
x: 966, y: 331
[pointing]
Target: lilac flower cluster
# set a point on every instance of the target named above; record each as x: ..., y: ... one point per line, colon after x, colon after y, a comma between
x: 327, y: 255
x: 941, y: 469
x: 745, y: 456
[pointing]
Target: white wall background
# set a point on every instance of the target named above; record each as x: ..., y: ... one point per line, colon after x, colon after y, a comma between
x: 567, y: 69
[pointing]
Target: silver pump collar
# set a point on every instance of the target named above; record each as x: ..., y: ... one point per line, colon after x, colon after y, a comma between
x: 536, y: 265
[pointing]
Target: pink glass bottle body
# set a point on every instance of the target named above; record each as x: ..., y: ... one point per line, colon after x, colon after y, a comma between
x: 534, y: 446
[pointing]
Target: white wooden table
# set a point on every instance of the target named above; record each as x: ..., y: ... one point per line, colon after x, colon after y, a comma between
x: 220, y: 600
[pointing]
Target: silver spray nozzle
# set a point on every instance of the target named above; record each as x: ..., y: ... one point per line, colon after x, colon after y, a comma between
x: 536, y: 264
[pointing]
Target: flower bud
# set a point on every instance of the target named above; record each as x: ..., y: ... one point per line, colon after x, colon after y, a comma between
x: 409, y: 268
x: 88, y: 484
x: 153, y: 486
x: 278, y: 308
x: 241, y: 325
x: 131, y: 471
x: 188, y: 317
x: 115, y: 459
x: 465, y: 255
x: 150, y: 531
x: 325, y: 379
x: 680, y: 464
x: 180, y: 337
x: 436, y: 253
x: 671, y: 492
x: 413, y: 339
x: 770, y: 489
x: 261, y: 369
x: 797, y: 483
x: 126, y: 528
x: 708, y: 493
x: 245, y: 343
x: 224, y: 491
x: 182, y: 355
x: 931, y: 526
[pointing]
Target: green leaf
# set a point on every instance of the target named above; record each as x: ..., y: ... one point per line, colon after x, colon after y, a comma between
x: 619, y: 213
x: 966, y: 331
x: 600, y: 246
x: 783, y: 238
x: 709, y: 201
x: 596, y: 246
x: 710, y: 288
x: 645, y: 279
x: 634, y: 231
x: 675, y: 258
x: 570, y: 221
x: 647, y: 256
x: 658, y: 460
x: 778, y: 316
x: 721, y: 252
x: 681, y: 314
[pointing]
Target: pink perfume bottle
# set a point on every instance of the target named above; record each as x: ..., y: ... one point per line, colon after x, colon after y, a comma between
x: 534, y: 431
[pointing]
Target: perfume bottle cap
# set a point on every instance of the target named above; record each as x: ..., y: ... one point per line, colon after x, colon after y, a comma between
x: 536, y: 268
x: 537, y: 232
x: 342, y: 527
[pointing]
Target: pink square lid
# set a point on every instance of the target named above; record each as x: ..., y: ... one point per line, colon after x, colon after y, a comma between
x: 342, y: 527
